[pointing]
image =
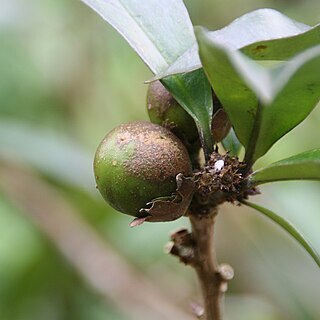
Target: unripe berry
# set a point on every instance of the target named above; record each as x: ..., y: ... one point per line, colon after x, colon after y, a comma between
x: 138, y: 162
x: 164, y: 110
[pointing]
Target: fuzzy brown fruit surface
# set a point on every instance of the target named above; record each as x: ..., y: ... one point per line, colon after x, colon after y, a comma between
x: 138, y: 162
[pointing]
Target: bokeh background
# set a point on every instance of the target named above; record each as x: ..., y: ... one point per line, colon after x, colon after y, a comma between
x: 66, y: 79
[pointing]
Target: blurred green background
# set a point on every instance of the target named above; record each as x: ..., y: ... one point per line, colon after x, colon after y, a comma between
x: 66, y: 79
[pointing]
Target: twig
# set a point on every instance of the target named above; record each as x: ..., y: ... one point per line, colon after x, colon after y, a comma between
x: 197, y: 250
x: 101, y: 267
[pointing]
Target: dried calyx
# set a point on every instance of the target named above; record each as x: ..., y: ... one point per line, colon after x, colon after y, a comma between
x: 220, y: 180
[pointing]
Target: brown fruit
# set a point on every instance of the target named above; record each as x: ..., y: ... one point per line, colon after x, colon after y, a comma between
x: 138, y: 162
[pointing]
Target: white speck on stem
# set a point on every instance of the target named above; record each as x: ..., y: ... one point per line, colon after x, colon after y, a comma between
x: 218, y: 165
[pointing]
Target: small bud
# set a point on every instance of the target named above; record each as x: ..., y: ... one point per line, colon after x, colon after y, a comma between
x: 220, y: 125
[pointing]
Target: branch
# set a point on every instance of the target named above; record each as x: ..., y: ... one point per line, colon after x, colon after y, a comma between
x: 100, y: 266
x: 197, y: 250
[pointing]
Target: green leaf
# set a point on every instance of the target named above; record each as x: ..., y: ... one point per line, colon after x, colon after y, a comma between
x: 193, y: 92
x: 286, y: 225
x: 305, y: 166
x: 236, y: 98
x: 283, y: 48
x: 160, y: 32
x: 275, y: 37
x: 231, y: 143
x: 258, y: 25
x: 287, y: 92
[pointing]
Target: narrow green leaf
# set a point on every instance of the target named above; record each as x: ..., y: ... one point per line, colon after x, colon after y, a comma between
x: 193, y: 92
x: 288, y: 91
x: 160, y: 32
x: 305, y: 166
x: 287, y: 226
x: 237, y: 99
x: 231, y: 143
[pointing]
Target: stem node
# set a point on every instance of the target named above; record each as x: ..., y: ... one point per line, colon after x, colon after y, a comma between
x: 196, y: 249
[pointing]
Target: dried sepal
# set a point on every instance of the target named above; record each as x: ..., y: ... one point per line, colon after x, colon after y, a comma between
x: 221, y: 180
x: 182, y: 245
x: 168, y: 208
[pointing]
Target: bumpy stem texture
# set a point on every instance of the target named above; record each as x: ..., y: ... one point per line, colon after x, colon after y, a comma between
x: 213, y: 278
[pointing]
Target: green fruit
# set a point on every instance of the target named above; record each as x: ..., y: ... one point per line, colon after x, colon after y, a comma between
x: 164, y: 110
x: 138, y: 162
